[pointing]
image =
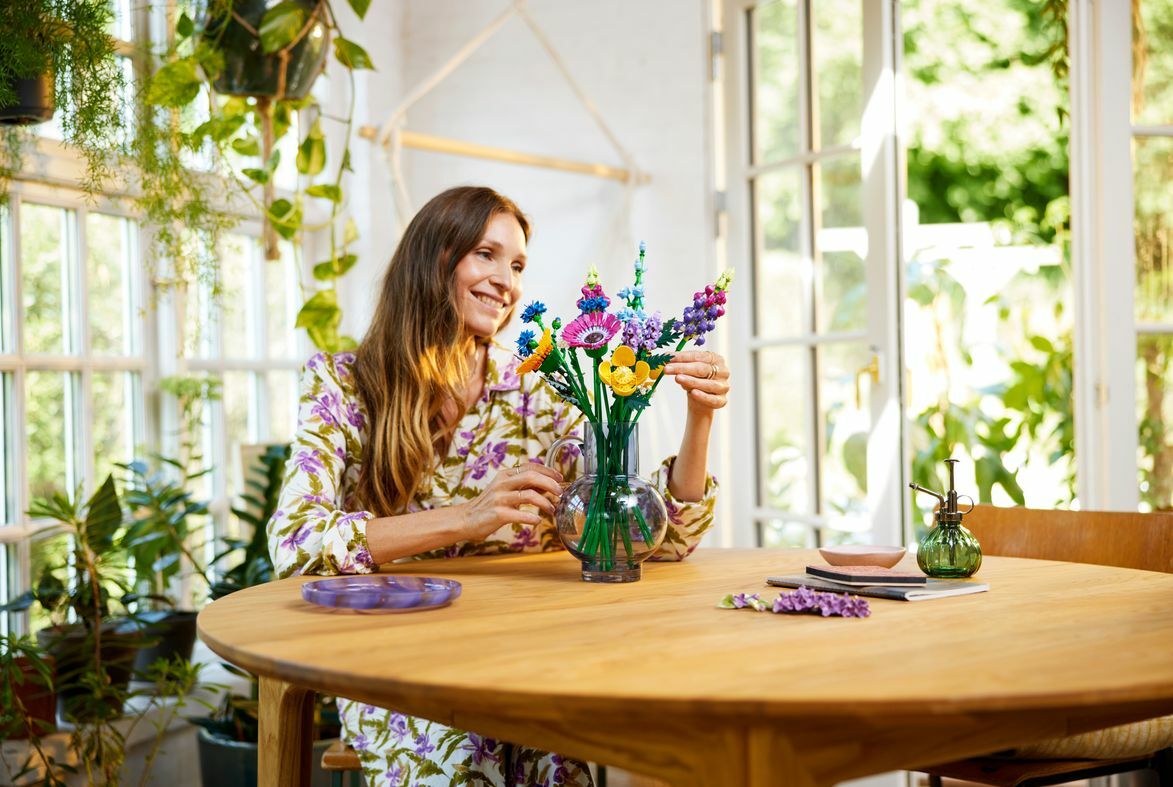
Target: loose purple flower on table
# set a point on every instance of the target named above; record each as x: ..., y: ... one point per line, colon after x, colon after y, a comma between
x: 526, y: 343
x: 533, y: 312
x: 801, y: 601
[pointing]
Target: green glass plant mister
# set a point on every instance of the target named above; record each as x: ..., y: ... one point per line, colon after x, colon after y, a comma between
x: 949, y: 550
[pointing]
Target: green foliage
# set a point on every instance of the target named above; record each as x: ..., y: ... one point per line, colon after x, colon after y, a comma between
x: 83, y: 581
x: 163, y: 516
x: 70, y: 39
x: 240, y: 134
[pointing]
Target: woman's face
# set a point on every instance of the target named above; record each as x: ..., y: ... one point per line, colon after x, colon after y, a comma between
x: 488, y: 278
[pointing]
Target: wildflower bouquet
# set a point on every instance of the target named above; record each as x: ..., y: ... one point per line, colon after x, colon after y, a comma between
x: 611, y: 519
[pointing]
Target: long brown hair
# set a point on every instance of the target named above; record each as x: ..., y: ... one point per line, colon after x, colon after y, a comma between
x: 413, y: 360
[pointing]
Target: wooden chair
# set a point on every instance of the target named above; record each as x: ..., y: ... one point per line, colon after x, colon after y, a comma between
x: 340, y: 759
x: 1128, y: 540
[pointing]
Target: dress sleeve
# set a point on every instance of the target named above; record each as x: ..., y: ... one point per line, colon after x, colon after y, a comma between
x: 687, y: 521
x: 309, y: 532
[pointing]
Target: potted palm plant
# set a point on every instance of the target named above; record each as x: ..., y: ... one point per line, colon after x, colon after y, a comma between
x: 93, y: 654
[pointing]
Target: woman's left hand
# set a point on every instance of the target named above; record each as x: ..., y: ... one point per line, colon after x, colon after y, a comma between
x: 704, y: 376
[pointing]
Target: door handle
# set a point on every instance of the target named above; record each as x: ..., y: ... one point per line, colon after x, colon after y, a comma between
x: 872, y: 369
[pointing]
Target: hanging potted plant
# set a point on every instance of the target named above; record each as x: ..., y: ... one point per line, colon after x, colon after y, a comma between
x: 249, y: 66
x: 59, y: 54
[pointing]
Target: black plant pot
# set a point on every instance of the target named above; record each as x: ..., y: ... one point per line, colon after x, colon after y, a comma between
x: 248, y: 71
x: 34, y: 102
x: 73, y: 649
x: 229, y: 763
x: 166, y: 634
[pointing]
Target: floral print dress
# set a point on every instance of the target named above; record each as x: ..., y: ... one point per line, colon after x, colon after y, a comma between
x: 317, y: 529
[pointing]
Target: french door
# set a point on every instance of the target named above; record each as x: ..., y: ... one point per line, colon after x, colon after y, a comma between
x: 812, y: 194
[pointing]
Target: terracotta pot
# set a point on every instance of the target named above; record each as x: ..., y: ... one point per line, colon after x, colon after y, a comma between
x: 39, y: 701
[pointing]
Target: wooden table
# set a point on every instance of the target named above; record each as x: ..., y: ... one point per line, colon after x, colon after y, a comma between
x: 652, y: 677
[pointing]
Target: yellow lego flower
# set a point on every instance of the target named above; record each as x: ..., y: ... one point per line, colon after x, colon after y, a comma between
x: 538, y: 356
x: 623, y: 373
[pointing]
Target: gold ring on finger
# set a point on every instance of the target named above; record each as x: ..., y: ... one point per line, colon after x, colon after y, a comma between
x: 712, y: 371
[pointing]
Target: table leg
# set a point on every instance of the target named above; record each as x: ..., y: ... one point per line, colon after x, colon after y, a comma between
x: 286, y: 717
x: 756, y: 757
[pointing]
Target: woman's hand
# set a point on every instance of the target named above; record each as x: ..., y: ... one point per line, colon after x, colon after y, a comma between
x: 500, y: 504
x: 704, y: 376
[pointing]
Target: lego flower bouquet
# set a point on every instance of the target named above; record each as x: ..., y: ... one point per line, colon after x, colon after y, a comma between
x: 609, y: 366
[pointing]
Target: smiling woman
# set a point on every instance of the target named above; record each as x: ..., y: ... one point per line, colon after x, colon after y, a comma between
x: 426, y: 443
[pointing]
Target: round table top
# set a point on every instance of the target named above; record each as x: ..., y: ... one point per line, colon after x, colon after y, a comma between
x: 526, y: 629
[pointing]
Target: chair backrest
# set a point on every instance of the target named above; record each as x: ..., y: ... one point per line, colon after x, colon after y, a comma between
x: 1107, y: 538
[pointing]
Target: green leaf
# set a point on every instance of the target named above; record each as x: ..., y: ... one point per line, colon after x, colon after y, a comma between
x: 351, y: 55
x: 325, y: 338
x: 184, y: 27
x: 360, y: 7
x: 103, y: 516
x: 282, y: 118
x: 258, y: 175
x: 325, y: 191
x: 1042, y: 344
x: 320, y: 311
x: 332, y: 269
x: 175, y: 84
x: 349, y: 232
x: 347, y: 343
x: 285, y: 217
x: 247, y: 146
x: 311, y: 155
x: 280, y: 26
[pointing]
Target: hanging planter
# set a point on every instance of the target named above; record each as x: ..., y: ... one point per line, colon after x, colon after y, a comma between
x: 278, y: 57
x: 34, y: 101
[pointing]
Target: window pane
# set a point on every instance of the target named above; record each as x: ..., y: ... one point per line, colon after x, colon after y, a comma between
x: 845, y: 423
x: 48, y: 425
x: 1154, y: 228
x: 237, y: 404
x: 842, y: 245
x: 109, y: 244
x: 113, y: 428
x: 198, y: 317
x: 44, y: 265
x: 1152, y: 63
x: 282, y: 393
x: 236, y: 259
x: 7, y: 307
x: 782, y: 277
x: 50, y: 552
x: 281, y: 304
x: 836, y: 71
x: 1154, y: 359
x: 775, y: 80
x: 777, y: 534
x: 783, y: 388
x: 7, y: 444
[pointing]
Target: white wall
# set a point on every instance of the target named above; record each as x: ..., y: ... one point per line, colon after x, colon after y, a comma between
x: 643, y: 63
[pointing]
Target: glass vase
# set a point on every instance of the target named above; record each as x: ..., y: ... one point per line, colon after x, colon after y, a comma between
x: 949, y: 551
x: 609, y: 518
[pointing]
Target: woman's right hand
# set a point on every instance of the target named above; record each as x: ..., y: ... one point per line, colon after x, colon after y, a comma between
x: 501, y: 501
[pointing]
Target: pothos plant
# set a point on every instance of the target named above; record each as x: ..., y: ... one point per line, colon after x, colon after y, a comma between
x: 233, y: 84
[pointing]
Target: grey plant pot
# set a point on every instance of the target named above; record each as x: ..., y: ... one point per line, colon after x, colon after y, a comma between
x: 225, y: 763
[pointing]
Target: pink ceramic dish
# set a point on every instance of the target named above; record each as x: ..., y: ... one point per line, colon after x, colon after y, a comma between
x: 862, y: 555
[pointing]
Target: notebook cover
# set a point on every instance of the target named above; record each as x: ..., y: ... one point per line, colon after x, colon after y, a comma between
x: 867, y: 575
x: 934, y: 588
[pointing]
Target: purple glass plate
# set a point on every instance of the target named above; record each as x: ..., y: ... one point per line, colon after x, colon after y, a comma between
x: 383, y: 592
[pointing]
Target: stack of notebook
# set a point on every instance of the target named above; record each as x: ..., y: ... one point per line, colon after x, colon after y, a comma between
x: 878, y: 582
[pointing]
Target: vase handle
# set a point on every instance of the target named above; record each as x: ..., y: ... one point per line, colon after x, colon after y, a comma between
x: 557, y: 446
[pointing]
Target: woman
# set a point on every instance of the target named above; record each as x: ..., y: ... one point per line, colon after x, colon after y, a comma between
x: 419, y: 445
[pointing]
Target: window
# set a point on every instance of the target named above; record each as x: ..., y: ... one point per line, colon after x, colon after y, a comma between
x: 1152, y: 154
x: 72, y: 363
